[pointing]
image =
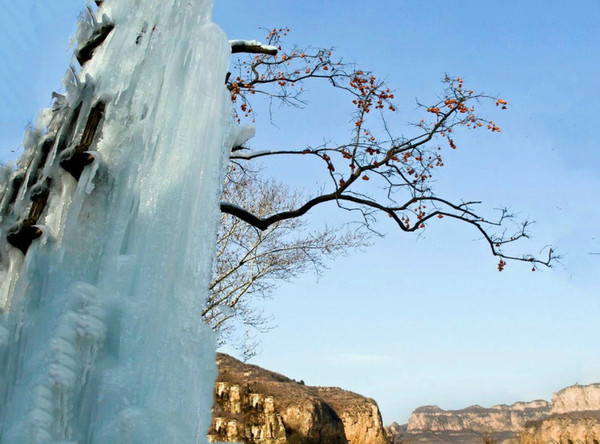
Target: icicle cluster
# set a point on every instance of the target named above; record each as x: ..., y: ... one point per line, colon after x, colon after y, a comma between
x: 108, y: 228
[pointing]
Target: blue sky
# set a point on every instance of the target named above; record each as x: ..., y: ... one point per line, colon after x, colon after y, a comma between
x: 415, y: 321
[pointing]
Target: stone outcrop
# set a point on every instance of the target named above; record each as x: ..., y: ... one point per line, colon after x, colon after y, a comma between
x: 254, y: 405
x: 573, y: 417
x: 240, y: 414
x: 566, y: 428
x: 576, y: 398
x: 499, y: 418
x: 360, y: 416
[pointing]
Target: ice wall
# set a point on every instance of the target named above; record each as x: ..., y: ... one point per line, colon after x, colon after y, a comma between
x: 102, y: 340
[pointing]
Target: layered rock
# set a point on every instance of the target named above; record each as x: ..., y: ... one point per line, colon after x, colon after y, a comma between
x: 499, y: 418
x: 576, y: 398
x: 566, y: 428
x: 572, y: 418
x: 254, y: 405
x: 239, y: 414
x: 360, y: 416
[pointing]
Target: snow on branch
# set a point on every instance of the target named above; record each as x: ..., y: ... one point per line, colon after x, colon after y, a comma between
x: 252, y: 46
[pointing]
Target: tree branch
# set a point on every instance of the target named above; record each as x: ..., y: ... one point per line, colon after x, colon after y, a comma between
x: 252, y: 47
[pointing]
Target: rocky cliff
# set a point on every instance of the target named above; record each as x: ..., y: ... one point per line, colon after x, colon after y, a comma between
x: 360, y: 416
x: 499, y: 418
x: 254, y: 405
x: 565, y: 428
x: 572, y: 418
x: 576, y: 398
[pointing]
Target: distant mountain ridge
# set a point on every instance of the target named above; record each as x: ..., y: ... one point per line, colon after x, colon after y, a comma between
x: 573, y: 414
x: 502, y: 418
x: 433, y: 425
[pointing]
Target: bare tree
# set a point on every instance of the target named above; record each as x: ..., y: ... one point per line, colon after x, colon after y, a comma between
x: 374, y: 158
x: 251, y: 262
x: 262, y: 236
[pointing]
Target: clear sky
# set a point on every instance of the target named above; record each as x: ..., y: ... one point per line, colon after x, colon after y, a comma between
x: 416, y: 321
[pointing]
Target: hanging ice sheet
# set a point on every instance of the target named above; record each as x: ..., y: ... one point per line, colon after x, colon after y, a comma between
x: 104, y: 342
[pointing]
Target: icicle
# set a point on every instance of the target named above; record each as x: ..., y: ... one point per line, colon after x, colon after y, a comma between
x: 103, y: 340
x: 71, y: 83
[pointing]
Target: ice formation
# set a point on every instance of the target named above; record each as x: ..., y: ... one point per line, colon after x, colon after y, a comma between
x: 114, y: 203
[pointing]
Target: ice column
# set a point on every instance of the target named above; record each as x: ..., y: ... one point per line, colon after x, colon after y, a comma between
x: 102, y: 340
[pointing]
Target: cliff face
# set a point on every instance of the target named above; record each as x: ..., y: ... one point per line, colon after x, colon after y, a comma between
x: 572, y: 418
x: 576, y: 398
x: 575, y: 418
x: 254, y: 405
x: 579, y: 427
x: 360, y: 416
x: 500, y: 418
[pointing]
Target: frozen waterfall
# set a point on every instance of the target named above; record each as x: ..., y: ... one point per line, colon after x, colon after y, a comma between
x: 114, y: 203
